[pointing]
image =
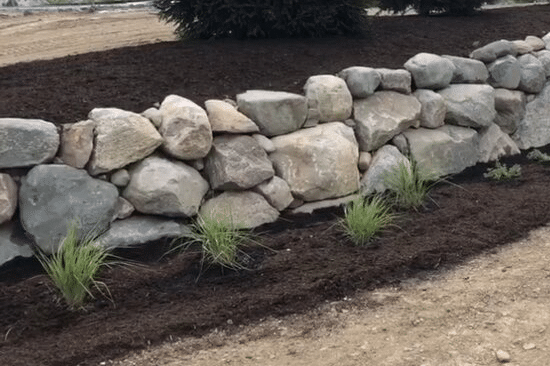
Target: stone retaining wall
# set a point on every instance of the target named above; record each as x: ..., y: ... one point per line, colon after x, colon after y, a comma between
x: 140, y: 177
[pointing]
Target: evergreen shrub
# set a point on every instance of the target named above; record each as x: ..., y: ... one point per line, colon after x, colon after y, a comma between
x: 426, y: 7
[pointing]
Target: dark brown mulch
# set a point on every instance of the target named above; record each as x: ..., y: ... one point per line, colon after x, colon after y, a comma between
x: 304, y: 261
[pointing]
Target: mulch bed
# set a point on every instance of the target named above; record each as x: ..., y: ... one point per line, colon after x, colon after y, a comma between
x: 303, y: 261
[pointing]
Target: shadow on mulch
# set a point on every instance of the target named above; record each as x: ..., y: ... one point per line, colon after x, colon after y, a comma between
x: 303, y: 261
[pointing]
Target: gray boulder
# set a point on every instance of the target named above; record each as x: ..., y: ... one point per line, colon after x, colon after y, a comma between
x: 395, y: 80
x: 446, y: 150
x: 123, y: 209
x: 8, y: 197
x: 245, y: 209
x: 276, y: 113
x: 544, y: 58
x: 319, y: 162
x: 153, y: 115
x: 159, y: 186
x: 523, y: 47
x: 224, y: 117
x: 469, y: 105
x: 433, y: 110
x: 505, y: 73
x: 468, y: 71
x: 383, y: 115
x: 546, y: 40
x: 52, y: 197
x: 510, y: 107
x: 494, y: 143
x: 494, y: 50
x: 328, y: 97
x: 384, y: 163
x: 361, y: 81
x: 430, y: 71
x: 533, y: 75
x: 26, y: 142
x: 276, y: 191
x: 237, y: 163
x: 120, y: 178
x: 141, y: 230
x: 264, y: 142
x: 77, y: 143
x: 185, y: 128
x: 535, y: 42
x: 533, y: 130
x: 121, y: 138
x: 13, y: 245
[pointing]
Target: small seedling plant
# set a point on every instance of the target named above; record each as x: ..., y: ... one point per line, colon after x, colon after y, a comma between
x: 501, y: 172
x: 538, y: 156
x: 74, y: 266
x: 365, y: 217
x: 408, y: 185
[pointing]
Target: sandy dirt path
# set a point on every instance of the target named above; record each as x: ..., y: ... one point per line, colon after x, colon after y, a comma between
x: 55, y: 34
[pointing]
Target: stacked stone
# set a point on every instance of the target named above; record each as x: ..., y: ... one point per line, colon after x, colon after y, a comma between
x: 136, y: 178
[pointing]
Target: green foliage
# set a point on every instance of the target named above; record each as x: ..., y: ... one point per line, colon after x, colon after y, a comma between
x: 74, y: 266
x: 265, y: 19
x: 365, y: 217
x: 503, y: 173
x: 408, y: 185
x: 538, y: 156
x: 425, y: 7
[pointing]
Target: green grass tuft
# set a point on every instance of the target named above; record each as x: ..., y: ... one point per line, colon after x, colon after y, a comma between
x: 501, y: 172
x: 538, y: 156
x: 409, y: 185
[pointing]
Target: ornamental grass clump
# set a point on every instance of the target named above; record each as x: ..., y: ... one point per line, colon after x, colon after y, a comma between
x: 365, y: 217
x: 408, y: 185
x: 74, y: 267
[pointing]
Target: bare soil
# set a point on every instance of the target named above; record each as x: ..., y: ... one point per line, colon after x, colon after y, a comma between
x: 443, y: 287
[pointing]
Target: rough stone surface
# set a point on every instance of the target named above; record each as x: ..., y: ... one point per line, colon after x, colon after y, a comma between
x: 123, y: 209
x: 310, y: 207
x: 533, y: 74
x: 153, y: 115
x: 382, y: 116
x: 26, y: 142
x: 544, y: 58
x: 328, y: 96
x: 77, y: 143
x: 446, y: 150
x: 395, y: 80
x: 120, y: 178
x: 319, y: 162
x: 224, y: 117
x: 494, y: 143
x: 469, y: 105
x: 505, y: 73
x: 535, y: 42
x: 52, y: 197
x: 185, y: 128
x: 8, y: 197
x: 237, y: 163
x: 546, y: 40
x: 159, y: 186
x: 384, y: 162
x: 121, y: 138
x: 533, y: 130
x: 264, y: 142
x: 365, y: 159
x: 430, y: 71
x: 494, y: 50
x: 433, y: 110
x: 12, y: 246
x: 141, y: 230
x: 510, y: 107
x: 503, y: 356
x: 523, y: 47
x: 275, y: 113
x: 468, y: 71
x: 361, y: 81
x: 276, y: 191
x: 244, y: 209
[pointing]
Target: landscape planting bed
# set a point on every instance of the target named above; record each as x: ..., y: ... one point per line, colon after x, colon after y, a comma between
x: 304, y: 260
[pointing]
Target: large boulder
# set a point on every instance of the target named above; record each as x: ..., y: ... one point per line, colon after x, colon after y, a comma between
x: 8, y: 197
x: 433, y: 110
x: 446, y: 150
x: 53, y: 197
x: 185, y: 128
x: 26, y: 142
x: 77, y: 143
x: 13, y: 245
x: 468, y: 71
x: 533, y: 74
x: 534, y: 130
x: 245, y: 209
x: 494, y: 50
x: 159, y: 186
x: 469, y: 105
x: 430, y: 71
x: 397, y: 80
x: 505, y: 73
x: 493, y: 144
x: 510, y: 107
x: 544, y: 58
x: 224, y: 117
x: 361, y: 81
x: 382, y: 116
x: 319, y: 162
x: 237, y: 163
x: 276, y: 113
x: 121, y: 138
x: 535, y: 42
x: 384, y: 162
x: 328, y: 98
x: 140, y: 230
